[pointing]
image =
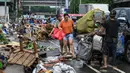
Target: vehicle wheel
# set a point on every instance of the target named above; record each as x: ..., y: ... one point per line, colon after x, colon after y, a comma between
x: 127, y: 55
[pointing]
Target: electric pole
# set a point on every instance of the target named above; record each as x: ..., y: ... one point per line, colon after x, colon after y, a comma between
x: 5, y: 11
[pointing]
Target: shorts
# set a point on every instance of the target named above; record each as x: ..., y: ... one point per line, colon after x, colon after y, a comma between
x: 68, y: 37
x: 109, y: 48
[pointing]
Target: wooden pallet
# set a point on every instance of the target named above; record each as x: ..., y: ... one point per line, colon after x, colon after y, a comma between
x: 13, y: 44
x: 22, y: 58
x: 2, y: 46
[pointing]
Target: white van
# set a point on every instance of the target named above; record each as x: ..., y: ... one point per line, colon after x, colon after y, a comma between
x: 84, y: 8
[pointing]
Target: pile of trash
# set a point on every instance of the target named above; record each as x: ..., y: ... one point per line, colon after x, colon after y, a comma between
x: 40, y: 31
x: 63, y: 68
x: 47, y: 48
x: 30, y: 46
x: 49, y: 27
x: 3, y: 39
x: 56, y: 67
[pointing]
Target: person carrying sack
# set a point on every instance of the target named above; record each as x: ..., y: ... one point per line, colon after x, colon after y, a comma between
x: 56, y: 25
x: 110, y: 40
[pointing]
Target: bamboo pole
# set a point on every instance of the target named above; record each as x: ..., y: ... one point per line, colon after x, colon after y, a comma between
x: 35, y: 49
x: 21, y: 44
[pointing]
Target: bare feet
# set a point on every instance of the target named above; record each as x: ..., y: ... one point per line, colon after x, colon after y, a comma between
x: 74, y: 56
x: 103, y: 67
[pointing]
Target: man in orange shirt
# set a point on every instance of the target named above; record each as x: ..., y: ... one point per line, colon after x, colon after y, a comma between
x: 67, y: 26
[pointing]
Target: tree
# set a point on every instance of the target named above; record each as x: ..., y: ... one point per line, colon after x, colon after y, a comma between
x: 74, y: 6
x: 97, y: 1
x: 43, y: 9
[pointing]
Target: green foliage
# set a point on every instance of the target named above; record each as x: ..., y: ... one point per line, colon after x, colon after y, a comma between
x: 74, y: 6
x: 43, y: 9
x: 30, y: 46
x: 3, y: 39
x: 20, y: 12
x: 97, y: 1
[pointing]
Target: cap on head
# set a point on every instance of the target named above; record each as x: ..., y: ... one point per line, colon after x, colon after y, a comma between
x: 113, y: 13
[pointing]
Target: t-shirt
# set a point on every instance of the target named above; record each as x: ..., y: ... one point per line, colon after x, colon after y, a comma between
x: 111, y: 27
x: 31, y: 21
x: 57, y: 23
x: 67, y: 27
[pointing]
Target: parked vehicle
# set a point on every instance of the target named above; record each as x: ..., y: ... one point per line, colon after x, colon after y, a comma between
x: 123, y: 16
x: 2, y: 14
x: 84, y: 8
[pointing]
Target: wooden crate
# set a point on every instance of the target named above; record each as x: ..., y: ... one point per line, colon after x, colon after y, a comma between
x: 22, y: 58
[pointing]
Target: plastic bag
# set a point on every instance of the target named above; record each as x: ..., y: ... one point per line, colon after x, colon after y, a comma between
x: 78, y: 63
x: 55, y: 33
x: 58, y: 34
x: 38, y: 68
x: 84, y: 49
x: 63, y: 68
x: 97, y: 42
x: 5, y: 31
x: 86, y: 23
x: 120, y: 44
x: 50, y: 59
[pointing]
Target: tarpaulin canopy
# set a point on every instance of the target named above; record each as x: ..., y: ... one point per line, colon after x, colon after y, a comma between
x: 74, y: 14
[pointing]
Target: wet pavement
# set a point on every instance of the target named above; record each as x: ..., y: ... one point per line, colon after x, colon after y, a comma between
x: 14, y: 69
x: 123, y: 66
